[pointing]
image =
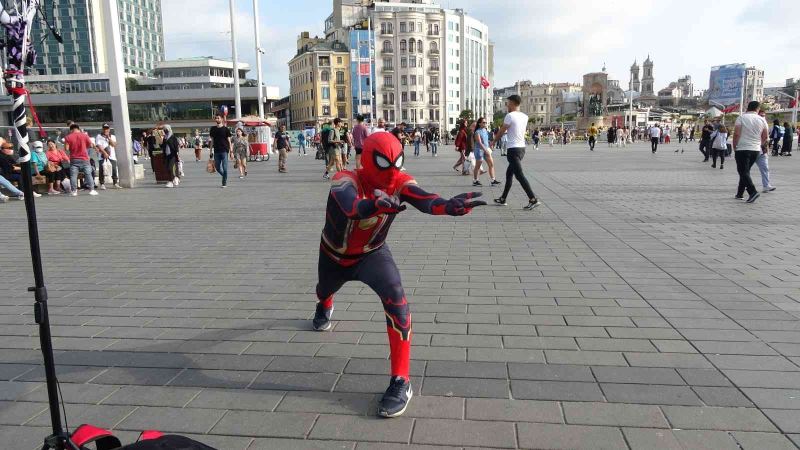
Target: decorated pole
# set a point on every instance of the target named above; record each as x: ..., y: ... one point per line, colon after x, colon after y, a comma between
x: 17, y: 21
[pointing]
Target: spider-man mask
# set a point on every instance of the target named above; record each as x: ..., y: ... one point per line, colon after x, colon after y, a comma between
x: 381, y: 161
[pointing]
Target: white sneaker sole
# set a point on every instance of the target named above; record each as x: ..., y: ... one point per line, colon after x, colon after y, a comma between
x: 399, y: 413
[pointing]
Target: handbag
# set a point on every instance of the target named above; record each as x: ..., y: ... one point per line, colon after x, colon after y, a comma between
x: 52, y: 167
x: 210, y: 166
x: 107, y: 170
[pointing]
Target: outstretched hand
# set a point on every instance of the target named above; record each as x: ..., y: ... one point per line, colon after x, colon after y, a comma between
x: 388, y: 204
x: 463, y: 204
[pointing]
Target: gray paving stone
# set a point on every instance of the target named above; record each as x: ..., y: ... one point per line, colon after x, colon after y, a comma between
x: 436, y: 407
x: 505, y: 355
x: 214, y: 378
x: 708, y: 418
x: 704, y: 377
x: 585, y: 413
x: 650, y: 394
x: 535, y: 436
x: 465, y: 387
x: 555, y: 390
x: 774, y: 398
x: 513, y: 410
x: 466, y: 370
x: 787, y: 420
x: 549, y: 372
x: 722, y: 396
x: 264, y: 424
x: 369, y: 429
x: 174, y: 420
x: 136, y: 376
x: 637, y: 375
x: 753, y: 440
x: 294, y: 381
x: 298, y: 444
x: 150, y: 396
x: 464, y: 433
x: 645, y: 439
x: 237, y: 399
x: 306, y: 364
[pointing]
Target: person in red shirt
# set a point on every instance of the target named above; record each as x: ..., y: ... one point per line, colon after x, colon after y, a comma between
x: 461, y: 146
x: 78, y: 143
x: 360, y: 133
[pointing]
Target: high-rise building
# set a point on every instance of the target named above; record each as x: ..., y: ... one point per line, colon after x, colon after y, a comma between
x: 635, y: 84
x: 83, y: 51
x: 754, y: 85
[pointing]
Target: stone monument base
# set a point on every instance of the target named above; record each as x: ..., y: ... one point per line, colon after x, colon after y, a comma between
x: 585, y: 122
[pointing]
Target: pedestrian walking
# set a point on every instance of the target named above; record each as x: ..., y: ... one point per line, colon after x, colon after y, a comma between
x: 461, y: 146
x: 416, y: 137
x: 655, y: 136
x: 332, y: 141
x: 719, y: 147
x: 198, y: 145
x: 750, y: 135
x: 240, y: 147
x: 170, y: 147
x: 536, y: 138
x: 435, y: 138
x: 788, y: 140
x: 483, y: 152
x: 593, y: 132
x: 284, y: 146
x: 514, y: 126
x: 776, y: 136
x: 301, y: 144
x: 763, y: 163
x: 221, y: 147
x: 705, y: 140
x: 360, y: 133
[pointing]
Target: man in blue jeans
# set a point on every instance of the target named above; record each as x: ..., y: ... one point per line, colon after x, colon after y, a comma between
x: 222, y: 147
x: 78, y: 144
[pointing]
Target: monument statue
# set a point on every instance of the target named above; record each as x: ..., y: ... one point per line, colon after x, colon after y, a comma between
x: 595, y: 105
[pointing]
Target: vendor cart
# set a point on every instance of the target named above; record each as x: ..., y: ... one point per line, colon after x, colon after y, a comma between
x: 259, y: 134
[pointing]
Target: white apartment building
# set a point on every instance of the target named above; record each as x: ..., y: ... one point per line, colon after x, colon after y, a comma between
x: 429, y: 62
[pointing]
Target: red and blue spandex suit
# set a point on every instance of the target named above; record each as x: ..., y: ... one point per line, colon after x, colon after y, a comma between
x: 361, y: 208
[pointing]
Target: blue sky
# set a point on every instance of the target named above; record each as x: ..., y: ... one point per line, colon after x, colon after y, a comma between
x: 538, y: 40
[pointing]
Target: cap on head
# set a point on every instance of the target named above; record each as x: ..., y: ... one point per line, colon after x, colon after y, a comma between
x: 106, y: 126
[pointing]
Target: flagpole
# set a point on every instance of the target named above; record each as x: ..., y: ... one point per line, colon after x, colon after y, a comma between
x: 237, y: 92
x: 369, y: 77
x: 744, y: 87
x: 259, y: 51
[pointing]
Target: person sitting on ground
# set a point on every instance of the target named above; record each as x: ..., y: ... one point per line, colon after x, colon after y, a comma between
x: 58, y: 166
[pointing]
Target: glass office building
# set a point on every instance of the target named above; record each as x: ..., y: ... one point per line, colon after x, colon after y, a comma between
x: 80, y: 25
x: 362, y: 71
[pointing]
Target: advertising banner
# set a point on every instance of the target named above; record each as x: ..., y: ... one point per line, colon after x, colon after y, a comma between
x: 726, y: 84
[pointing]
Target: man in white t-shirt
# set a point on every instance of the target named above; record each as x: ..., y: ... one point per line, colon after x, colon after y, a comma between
x: 105, y: 143
x: 749, y: 136
x: 514, y: 126
x: 655, y: 137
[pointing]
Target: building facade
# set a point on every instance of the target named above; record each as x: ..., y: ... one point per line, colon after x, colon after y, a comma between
x: 319, y: 82
x: 83, y: 50
x: 544, y: 103
x: 754, y: 85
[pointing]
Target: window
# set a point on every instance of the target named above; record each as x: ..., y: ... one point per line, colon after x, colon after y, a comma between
x: 413, y: 96
x: 324, y: 76
x: 413, y: 62
x: 326, y: 110
x: 403, y: 27
x: 405, y: 114
x: 403, y: 97
x: 434, y: 47
x: 419, y: 26
x: 340, y: 97
x: 403, y: 46
x: 411, y: 27
x: 339, y: 77
x: 339, y: 60
x: 412, y: 44
x: 388, y: 63
x: 419, y: 46
x: 326, y: 93
x: 387, y: 46
x: 413, y: 80
x: 404, y: 80
x: 403, y: 63
x: 387, y: 81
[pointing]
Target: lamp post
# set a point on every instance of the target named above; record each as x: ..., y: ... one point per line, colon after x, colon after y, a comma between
x: 237, y: 92
x: 259, y: 51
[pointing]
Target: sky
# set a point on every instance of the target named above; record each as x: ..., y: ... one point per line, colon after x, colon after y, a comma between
x: 537, y: 40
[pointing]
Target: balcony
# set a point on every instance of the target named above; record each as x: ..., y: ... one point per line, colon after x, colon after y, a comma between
x: 433, y: 69
x: 388, y: 87
x: 433, y: 51
x: 387, y: 33
x: 341, y: 99
x: 434, y: 87
x: 387, y: 69
x: 387, y: 51
x: 433, y: 33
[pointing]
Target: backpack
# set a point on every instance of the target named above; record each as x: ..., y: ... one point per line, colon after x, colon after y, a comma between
x: 325, y: 138
x: 148, y: 440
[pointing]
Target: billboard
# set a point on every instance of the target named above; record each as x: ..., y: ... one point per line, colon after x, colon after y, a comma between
x: 726, y: 84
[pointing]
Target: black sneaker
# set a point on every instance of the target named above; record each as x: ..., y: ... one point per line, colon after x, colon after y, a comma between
x: 753, y: 198
x: 500, y: 201
x: 395, y: 400
x: 322, y: 318
x: 533, y: 204
x: 496, y: 183
x: 477, y: 183
x: 739, y: 197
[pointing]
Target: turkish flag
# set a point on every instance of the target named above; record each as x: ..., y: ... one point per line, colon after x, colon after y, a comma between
x: 485, y: 83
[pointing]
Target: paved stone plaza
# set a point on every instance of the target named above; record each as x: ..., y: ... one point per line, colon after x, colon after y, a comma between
x: 641, y: 307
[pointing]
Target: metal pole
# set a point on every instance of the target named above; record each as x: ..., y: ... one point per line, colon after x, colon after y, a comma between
x: 237, y: 92
x: 119, y: 94
x: 259, y: 51
x: 796, y: 106
x: 744, y: 87
x: 358, y: 70
x: 370, y: 77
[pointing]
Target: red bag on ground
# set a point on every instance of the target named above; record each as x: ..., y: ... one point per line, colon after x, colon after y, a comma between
x: 148, y: 440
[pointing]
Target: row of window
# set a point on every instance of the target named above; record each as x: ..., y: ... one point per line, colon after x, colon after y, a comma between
x: 411, y: 46
x: 411, y: 80
x: 433, y: 97
x: 412, y: 62
x: 409, y: 27
x: 413, y: 115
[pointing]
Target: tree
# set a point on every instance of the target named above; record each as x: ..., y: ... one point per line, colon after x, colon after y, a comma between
x: 132, y: 84
x: 467, y: 114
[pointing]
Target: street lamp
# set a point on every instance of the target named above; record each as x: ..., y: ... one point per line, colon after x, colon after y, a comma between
x: 796, y: 99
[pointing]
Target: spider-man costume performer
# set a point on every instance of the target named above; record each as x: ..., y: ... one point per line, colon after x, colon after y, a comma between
x: 361, y: 208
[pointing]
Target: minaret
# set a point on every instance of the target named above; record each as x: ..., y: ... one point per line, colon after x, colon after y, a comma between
x: 647, y: 80
x: 635, y: 85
